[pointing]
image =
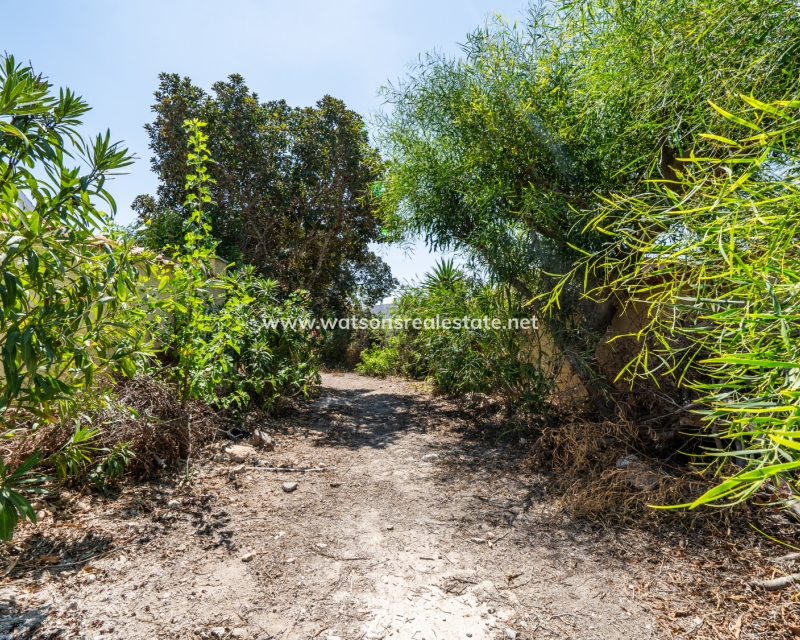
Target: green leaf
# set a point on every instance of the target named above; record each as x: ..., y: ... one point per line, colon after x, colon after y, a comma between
x: 23, y: 507
x: 8, y: 517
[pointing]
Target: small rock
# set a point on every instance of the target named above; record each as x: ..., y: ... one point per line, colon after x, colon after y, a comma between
x: 390, y: 527
x: 639, y: 474
x: 239, y: 633
x: 336, y: 484
x: 290, y: 560
x: 332, y: 638
x: 288, y: 487
x: 430, y: 456
x: 627, y: 461
x: 217, y: 632
x: 262, y: 440
x: 248, y: 557
x: 73, y: 606
x: 240, y: 453
x: 322, y: 545
x: 511, y: 634
x: 91, y: 578
x: 173, y: 504
x: 198, y: 631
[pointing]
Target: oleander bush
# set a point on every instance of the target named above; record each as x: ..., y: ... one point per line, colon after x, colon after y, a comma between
x: 82, y: 308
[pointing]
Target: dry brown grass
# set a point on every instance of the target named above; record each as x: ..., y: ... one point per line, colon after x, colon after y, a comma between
x: 144, y: 412
x: 585, y: 456
x: 161, y: 426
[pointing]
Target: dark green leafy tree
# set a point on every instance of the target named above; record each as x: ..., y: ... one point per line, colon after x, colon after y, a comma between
x: 289, y: 186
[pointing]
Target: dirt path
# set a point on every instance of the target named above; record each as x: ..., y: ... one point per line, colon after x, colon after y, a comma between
x: 410, y: 532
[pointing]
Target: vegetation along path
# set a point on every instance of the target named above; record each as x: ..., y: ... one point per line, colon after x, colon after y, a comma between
x: 409, y: 530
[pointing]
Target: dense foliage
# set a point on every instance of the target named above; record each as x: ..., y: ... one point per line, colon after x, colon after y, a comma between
x: 600, y: 159
x: 68, y: 289
x: 80, y: 305
x: 591, y: 158
x: 289, y: 191
x: 713, y: 257
x: 482, y: 355
x: 69, y: 296
x: 501, y: 153
x: 213, y: 332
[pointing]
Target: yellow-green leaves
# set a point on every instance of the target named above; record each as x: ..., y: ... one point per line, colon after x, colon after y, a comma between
x: 721, y: 282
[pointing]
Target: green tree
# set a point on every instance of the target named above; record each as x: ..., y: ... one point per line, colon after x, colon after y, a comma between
x: 289, y: 184
x: 504, y: 153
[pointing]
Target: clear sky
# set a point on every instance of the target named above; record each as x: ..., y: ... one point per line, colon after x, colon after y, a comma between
x: 111, y: 53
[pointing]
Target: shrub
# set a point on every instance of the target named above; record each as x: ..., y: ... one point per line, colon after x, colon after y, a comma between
x: 264, y: 359
x: 500, y: 361
x: 713, y: 257
x: 380, y: 361
x: 68, y: 297
x: 69, y: 307
x: 218, y: 336
x: 15, y: 485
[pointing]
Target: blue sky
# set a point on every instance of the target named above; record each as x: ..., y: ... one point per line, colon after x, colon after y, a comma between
x: 111, y: 53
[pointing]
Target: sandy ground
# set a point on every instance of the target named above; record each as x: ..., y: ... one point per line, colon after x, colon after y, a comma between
x: 408, y: 531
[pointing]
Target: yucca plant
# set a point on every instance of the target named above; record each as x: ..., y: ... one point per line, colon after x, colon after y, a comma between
x: 444, y: 274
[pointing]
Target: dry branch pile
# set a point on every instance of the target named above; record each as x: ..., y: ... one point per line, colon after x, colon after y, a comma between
x: 144, y: 412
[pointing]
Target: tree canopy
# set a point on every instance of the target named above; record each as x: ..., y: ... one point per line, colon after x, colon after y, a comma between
x: 506, y: 152
x: 290, y: 190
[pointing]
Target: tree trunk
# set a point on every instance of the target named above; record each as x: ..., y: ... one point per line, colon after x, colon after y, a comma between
x: 598, y: 317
